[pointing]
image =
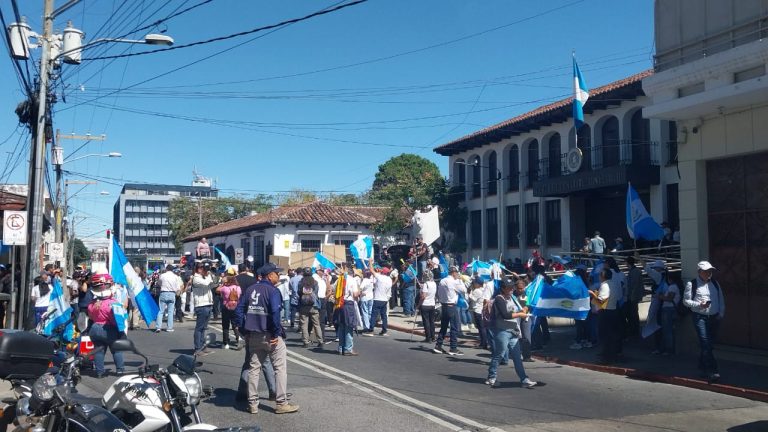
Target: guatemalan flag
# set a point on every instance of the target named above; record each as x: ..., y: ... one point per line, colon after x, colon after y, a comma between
x: 482, y: 269
x: 123, y: 273
x: 409, y: 275
x: 639, y: 223
x: 580, y: 95
x: 59, y: 313
x: 568, y: 297
x: 362, y: 251
x: 443, y: 266
x: 225, y: 262
x: 321, y: 261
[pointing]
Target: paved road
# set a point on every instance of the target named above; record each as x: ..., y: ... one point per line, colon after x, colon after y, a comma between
x: 396, y: 384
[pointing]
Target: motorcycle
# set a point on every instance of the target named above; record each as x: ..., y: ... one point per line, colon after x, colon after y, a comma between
x: 162, y: 399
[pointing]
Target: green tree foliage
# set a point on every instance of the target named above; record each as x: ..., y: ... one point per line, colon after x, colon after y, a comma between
x: 453, y: 218
x: 81, y: 254
x: 296, y: 196
x: 185, y: 215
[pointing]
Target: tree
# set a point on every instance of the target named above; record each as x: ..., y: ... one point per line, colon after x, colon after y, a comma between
x: 185, y: 216
x: 406, y: 182
x: 297, y: 196
x: 80, y: 253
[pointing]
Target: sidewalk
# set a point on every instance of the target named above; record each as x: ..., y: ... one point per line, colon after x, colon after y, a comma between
x: 744, y: 373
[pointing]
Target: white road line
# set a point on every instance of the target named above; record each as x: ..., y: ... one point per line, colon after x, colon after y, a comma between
x: 371, y: 388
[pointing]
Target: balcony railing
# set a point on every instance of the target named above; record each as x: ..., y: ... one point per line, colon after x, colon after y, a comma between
x: 634, y: 153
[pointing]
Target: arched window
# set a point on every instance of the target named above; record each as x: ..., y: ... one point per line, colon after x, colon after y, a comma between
x: 514, y: 168
x: 554, y: 156
x: 641, y: 138
x: 610, y: 142
x: 533, y: 162
x: 492, y: 174
x: 460, y: 174
x: 476, y: 182
x: 584, y: 142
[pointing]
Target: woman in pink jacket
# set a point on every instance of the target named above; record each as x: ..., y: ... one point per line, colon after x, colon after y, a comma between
x: 104, y: 330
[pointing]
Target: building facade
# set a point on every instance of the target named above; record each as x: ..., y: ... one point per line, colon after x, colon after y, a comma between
x: 531, y: 183
x: 710, y: 78
x: 140, y: 218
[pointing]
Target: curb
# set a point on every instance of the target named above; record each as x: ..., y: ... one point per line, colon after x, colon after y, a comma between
x: 698, y: 384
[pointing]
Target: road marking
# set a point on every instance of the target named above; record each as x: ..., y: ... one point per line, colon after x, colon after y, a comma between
x: 372, y: 388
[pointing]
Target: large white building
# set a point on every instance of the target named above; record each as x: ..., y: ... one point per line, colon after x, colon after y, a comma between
x: 710, y: 78
x: 530, y: 184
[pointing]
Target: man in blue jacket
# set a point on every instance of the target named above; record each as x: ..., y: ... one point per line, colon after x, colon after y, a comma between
x: 258, y: 316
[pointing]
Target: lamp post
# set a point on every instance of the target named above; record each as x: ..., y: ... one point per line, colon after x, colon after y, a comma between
x: 499, y: 193
x: 68, y: 46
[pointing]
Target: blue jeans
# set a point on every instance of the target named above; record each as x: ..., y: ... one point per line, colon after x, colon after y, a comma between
x: 202, y: 316
x: 408, y: 300
x: 344, y: 333
x: 668, y: 316
x: 448, y: 318
x: 707, y: 328
x: 287, y: 309
x: 379, y: 308
x: 167, y: 302
x: 505, y: 343
x: 103, y: 336
x: 366, y: 307
x: 491, y: 331
x: 466, y: 316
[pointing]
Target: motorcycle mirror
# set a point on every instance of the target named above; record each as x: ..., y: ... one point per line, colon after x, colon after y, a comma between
x: 124, y: 345
x: 210, y: 338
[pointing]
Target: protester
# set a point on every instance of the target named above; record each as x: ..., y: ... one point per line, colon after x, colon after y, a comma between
x: 202, y: 297
x: 427, y: 297
x: 607, y: 297
x: 309, y: 309
x: 634, y: 297
x: 597, y: 244
x: 203, y: 250
x: 258, y: 316
x: 104, y: 329
x: 230, y: 293
x: 293, y: 283
x: 420, y: 252
x: 507, y: 313
x: 587, y: 246
x: 382, y: 291
x: 346, y: 311
x: 477, y: 298
x: 169, y: 287
x: 180, y: 298
x: 705, y: 298
x: 366, y: 300
x: 284, y: 286
x: 41, y: 296
x: 84, y: 297
x: 448, y: 294
x: 525, y: 324
x: 322, y: 290
x: 669, y: 296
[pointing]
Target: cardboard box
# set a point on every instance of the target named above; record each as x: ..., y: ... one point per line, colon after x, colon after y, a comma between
x: 280, y: 261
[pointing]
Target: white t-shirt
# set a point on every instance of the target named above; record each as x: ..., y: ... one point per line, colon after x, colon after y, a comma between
x: 284, y: 286
x: 366, y: 287
x: 477, y: 296
x: 351, y: 288
x: 321, y: 286
x: 382, y: 288
x: 41, y: 301
x: 449, y: 289
x: 429, y: 289
x: 671, y: 289
x: 169, y: 282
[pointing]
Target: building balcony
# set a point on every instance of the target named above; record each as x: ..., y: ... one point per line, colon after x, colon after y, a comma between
x: 600, y: 167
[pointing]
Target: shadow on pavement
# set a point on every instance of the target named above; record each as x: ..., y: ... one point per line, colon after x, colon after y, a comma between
x: 756, y: 426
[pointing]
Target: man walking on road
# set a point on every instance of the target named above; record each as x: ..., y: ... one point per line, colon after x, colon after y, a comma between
x: 705, y: 298
x: 258, y: 314
x: 382, y: 291
x: 170, y: 284
x: 448, y: 294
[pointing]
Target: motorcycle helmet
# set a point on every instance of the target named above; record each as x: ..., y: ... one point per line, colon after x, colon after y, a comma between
x: 101, y: 285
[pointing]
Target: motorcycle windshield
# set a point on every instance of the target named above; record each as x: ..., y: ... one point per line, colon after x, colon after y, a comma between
x: 185, y: 363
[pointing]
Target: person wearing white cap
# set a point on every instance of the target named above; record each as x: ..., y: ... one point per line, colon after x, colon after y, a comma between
x: 705, y: 298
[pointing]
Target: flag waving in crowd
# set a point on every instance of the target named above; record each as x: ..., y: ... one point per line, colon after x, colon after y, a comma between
x: 123, y: 273
x: 639, y: 223
x: 321, y: 261
x: 59, y: 313
x: 567, y: 297
x: 362, y: 251
x: 482, y: 270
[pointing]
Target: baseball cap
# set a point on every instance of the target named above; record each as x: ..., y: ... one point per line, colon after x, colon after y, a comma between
x: 659, y: 264
x: 268, y: 268
x: 705, y: 265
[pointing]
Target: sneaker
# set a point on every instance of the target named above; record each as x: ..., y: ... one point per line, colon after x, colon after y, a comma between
x: 576, y: 346
x: 369, y: 334
x: 226, y: 346
x: 383, y: 334
x: 202, y: 353
x: 491, y: 382
x: 157, y: 330
x: 351, y: 353
x: 437, y: 350
x: 527, y: 383
x: 336, y: 340
x: 169, y: 331
x: 586, y: 344
x: 286, y: 408
x: 456, y: 352
x: 253, y: 409
x: 715, y: 377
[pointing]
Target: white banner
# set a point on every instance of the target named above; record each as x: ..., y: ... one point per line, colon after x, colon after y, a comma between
x: 427, y: 225
x: 15, y: 228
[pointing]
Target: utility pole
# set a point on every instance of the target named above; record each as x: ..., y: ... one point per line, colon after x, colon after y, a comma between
x: 35, y: 195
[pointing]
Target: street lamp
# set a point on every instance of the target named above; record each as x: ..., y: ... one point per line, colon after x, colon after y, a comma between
x: 499, y: 193
x: 109, y: 155
x: 53, y: 46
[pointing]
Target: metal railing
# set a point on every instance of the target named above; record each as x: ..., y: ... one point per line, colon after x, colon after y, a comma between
x: 623, y: 153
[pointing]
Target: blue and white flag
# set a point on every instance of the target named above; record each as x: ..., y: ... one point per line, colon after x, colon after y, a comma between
x: 59, y: 312
x: 409, y: 275
x: 567, y: 297
x: 225, y: 262
x: 639, y: 223
x: 496, y: 270
x: 123, y: 273
x: 120, y: 315
x: 482, y: 270
x: 322, y: 262
x: 362, y: 251
x: 580, y: 96
x: 443, y: 266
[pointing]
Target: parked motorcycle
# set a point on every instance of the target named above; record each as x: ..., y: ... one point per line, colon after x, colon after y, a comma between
x: 162, y: 399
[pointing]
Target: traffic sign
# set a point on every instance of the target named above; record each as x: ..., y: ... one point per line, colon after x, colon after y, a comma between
x: 239, y: 252
x: 15, y: 228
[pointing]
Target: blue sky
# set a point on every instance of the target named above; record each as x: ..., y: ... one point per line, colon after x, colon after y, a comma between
x: 316, y: 105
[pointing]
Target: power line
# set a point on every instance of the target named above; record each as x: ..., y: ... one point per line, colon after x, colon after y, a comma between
x: 234, y: 35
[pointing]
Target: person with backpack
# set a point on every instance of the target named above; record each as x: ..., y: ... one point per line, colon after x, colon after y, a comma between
x: 668, y: 294
x: 507, y: 313
x: 105, y: 328
x: 704, y: 297
x: 309, y: 309
x: 230, y: 293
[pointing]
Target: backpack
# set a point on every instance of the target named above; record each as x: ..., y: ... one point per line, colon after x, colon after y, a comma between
x: 682, y: 309
x: 307, y: 296
x: 232, y: 299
